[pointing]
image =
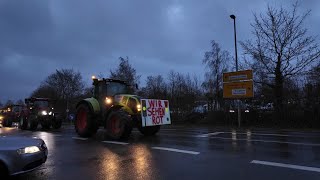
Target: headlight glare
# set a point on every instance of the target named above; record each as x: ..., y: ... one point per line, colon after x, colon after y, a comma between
x: 108, y: 100
x: 44, y: 113
x: 28, y: 150
x: 139, y: 107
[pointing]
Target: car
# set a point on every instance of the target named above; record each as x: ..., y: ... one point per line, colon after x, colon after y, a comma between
x: 20, y: 155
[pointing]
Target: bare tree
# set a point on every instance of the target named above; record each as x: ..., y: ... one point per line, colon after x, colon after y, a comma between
x: 281, y: 46
x: 125, y: 72
x: 156, y: 87
x: 216, y: 61
x: 8, y: 103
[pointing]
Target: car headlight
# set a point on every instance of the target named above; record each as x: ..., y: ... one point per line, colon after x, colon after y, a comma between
x: 44, y: 113
x: 231, y: 111
x: 50, y: 113
x: 139, y: 107
x: 1, y: 117
x: 246, y: 111
x: 28, y: 150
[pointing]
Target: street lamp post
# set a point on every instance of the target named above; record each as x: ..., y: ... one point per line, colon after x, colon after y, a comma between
x: 236, y: 53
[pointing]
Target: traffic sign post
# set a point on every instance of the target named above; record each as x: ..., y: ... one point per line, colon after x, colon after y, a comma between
x: 238, y: 85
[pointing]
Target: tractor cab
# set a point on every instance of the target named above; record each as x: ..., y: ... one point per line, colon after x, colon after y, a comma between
x: 39, y: 105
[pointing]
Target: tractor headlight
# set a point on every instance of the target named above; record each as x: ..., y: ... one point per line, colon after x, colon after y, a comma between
x: 28, y: 150
x: 108, y: 100
x: 139, y: 107
x: 44, y: 113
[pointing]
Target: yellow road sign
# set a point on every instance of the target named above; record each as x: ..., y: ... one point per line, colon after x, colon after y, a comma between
x: 237, y: 76
x: 235, y: 90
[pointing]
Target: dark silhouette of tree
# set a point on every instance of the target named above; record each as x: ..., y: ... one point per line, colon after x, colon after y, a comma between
x: 125, y: 72
x: 216, y: 61
x: 281, y: 47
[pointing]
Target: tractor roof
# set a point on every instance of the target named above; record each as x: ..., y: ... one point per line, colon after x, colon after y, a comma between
x: 37, y: 99
x: 108, y: 80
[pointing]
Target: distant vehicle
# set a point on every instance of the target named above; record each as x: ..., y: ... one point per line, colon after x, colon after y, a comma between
x: 38, y: 111
x: 267, y: 107
x: 10, y: 114
x: 21, y: 155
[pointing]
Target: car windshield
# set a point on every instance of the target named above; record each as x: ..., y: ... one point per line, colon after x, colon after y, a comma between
x: 41, y: 103
x: 114, y: 88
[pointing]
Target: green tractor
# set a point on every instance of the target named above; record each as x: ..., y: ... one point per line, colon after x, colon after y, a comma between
x: 113, y: 107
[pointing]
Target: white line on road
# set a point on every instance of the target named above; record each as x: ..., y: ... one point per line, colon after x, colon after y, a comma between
x: 80, y: 138
x: 266, y: 141
x: 115, y: 142
x: 210, y: 134
x: 291, y: 166
x: 177, y: 150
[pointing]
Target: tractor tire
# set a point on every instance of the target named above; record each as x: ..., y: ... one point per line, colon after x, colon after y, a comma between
x: 32, y: 124
x: 56, y: 123
x: 8, y: 123
x: 4, y: 122
x: 118, y: 125
x: 84, y: 124
x: 149, y: 131
x: 23, y: 123
x: 46, y: 125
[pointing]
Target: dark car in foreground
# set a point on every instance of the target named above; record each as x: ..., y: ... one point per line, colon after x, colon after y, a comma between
x: 20, y: 155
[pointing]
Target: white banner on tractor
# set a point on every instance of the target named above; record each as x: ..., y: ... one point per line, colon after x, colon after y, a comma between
x: 155, y: 112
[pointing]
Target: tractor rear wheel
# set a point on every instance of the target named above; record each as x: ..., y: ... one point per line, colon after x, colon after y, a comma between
x: 149, y: 131
x: 23, y: 123
x: 118, y: 125
x: 84, y: 123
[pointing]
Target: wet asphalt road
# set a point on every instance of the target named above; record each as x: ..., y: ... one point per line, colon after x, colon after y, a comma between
x: 179, y: 153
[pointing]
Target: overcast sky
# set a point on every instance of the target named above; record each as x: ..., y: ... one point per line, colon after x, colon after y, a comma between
x: 39, y: 36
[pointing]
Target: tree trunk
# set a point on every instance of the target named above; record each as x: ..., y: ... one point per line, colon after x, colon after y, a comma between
x: 278, y: 92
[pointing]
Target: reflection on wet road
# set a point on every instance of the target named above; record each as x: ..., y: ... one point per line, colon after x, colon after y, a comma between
x: 179, y: 153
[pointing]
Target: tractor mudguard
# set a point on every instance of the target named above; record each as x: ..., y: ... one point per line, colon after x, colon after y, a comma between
x: 92, y: 103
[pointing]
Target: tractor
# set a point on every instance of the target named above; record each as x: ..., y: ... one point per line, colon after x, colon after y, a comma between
x: 10, y: 114
x: 114, y: 107
x: 38, y: 110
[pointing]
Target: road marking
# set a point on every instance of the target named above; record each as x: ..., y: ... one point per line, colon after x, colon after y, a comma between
x: 80, y: 138
x: 210, y: 134
x: 291, y: 166
x: 177, y: 150
x: 115, y: 142
x: 266, y: 141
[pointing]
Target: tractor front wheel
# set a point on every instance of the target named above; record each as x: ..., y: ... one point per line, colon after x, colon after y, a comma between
x: 118, y: 125
x: 149, y: 131
x: 32, y: 124
x: 84, y: 123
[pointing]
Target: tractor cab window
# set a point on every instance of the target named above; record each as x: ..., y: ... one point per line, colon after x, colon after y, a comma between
x: 16, y: 109
x: 41, y: 104
x: 116, y: 88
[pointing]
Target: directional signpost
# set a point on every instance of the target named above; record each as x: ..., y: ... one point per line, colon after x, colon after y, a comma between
x: 238, y: 85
